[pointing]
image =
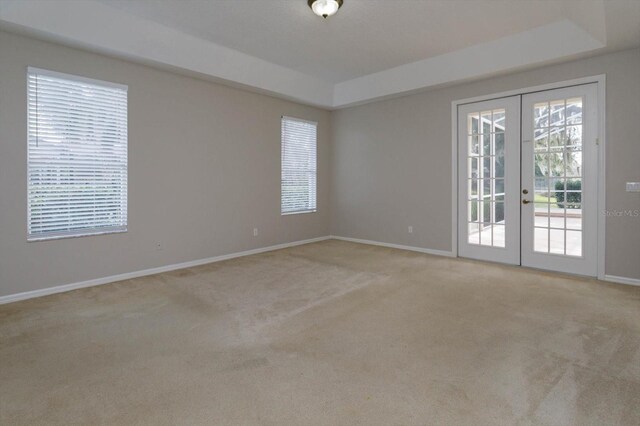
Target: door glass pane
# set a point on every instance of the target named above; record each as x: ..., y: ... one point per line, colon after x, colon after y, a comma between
x: 541, y: 240
x: 557, y: 139
x: 573, y: 162
x: 474, y: 143
x: 485, y: 211
x: 472, y: 123
x: 486, y: 144
x: 499, y: 190
x: 473, y: 211
x: 499, y: 154
x: 486, y: 187
x: 485, y: 119
x: 574, y: 217
x: 498, y: 213
x: 574, y: 136
x: 558, y: 177
x: 574, y: 111
x: 486, y: 234
x: 473, y: 167
x: 542, y: 164
x: 541, y: 115
x: 541, y: 212
x: 474, y: 234
x: 574, y: 243
x: 499, y: 120
x: 556, y: 113
x: 498, y: 235
x: 556, y: 241
x: 473, y: 189
x: 541, y: 139
x: 486, y: 176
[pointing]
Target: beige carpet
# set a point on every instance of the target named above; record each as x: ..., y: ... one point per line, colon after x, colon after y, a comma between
x: 331, y: 333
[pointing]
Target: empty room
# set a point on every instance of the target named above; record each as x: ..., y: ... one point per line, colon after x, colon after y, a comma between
x: 320, y: 212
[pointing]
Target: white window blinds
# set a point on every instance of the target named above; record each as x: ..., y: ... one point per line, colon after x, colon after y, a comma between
x: 77, y: 156
x: 299, y: 166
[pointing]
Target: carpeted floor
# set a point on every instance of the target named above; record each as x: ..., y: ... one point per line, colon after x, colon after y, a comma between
x: 332, y: 333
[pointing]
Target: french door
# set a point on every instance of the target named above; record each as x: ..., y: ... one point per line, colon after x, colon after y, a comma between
x: 489, y: 180
x: 527, y: 180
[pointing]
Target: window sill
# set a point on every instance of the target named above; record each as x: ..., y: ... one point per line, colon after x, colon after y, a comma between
x: 298, y: 212
x: 88, y: 233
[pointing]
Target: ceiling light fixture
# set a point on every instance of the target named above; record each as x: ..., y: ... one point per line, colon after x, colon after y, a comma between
x: 325, y: 8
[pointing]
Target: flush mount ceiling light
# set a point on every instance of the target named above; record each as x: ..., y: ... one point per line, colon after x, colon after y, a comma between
x: 325, y: 8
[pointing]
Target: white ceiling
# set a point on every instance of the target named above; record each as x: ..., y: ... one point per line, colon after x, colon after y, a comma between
x: 366, y: 36
x: 357, y: 55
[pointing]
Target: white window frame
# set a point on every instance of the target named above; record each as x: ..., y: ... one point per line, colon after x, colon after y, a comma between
x: 314, y: 203
x: 80, y: 232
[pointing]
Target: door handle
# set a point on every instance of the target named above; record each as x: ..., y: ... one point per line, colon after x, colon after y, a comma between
x: 525, y: 201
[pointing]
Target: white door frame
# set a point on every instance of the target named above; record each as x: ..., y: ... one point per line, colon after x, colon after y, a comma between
x: 600, y: 80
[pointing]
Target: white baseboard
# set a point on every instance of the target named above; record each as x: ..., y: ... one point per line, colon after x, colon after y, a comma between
x: 396, y: 246
x: 622, y: 280
x: 609, y: 278
x: 129, y: 275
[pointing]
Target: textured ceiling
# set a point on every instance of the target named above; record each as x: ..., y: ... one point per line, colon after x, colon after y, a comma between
x: 368, y: 36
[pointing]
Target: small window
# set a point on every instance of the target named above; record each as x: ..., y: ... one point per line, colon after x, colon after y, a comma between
x: 299, y: 166
x: 77, y: 156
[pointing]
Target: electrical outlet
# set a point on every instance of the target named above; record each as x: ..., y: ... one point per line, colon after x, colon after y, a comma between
x: 255, y: 232
x: 633, y: 186
x: 411, y: 229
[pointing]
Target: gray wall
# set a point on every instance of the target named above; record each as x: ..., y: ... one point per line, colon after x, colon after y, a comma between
x: 204, y: 170
x: 204, y: 167
x: 391, y: 160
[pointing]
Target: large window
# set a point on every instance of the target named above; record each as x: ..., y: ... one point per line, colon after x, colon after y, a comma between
x: 77, y: 156
x: 299, y: 166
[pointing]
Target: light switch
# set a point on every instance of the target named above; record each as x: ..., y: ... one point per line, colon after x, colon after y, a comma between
x: 633, y: 186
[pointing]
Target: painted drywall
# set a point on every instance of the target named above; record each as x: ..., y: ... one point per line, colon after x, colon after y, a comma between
x: 204, y: 167
x: 391, y: 160
x: 204, y: 170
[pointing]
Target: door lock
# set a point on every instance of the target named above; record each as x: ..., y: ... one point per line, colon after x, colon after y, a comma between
x: 525, y: 191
